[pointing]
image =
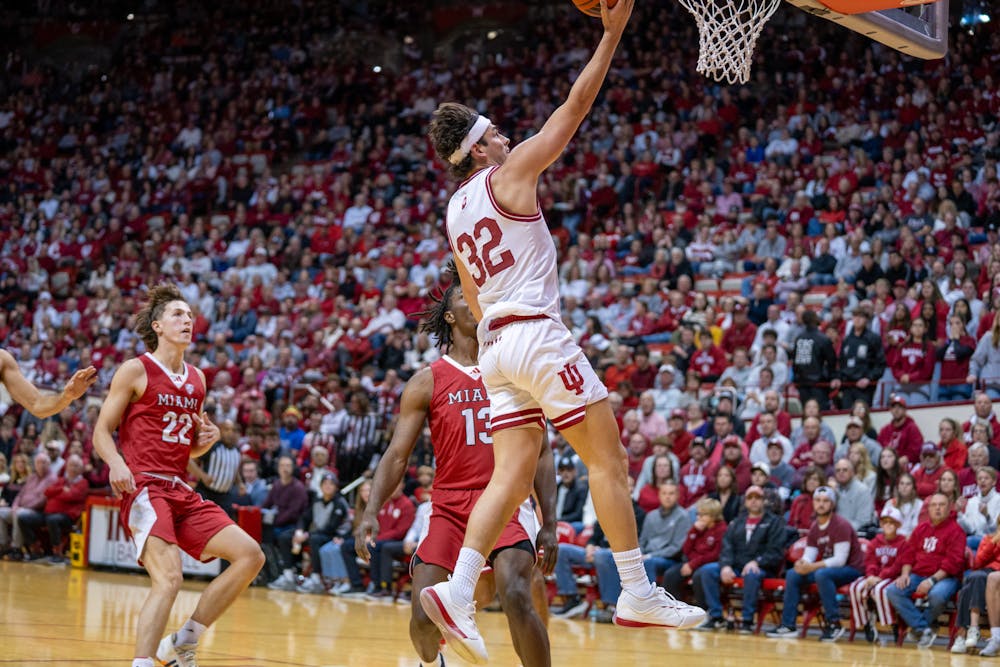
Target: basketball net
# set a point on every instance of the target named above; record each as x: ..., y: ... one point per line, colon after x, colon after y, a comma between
x: 727, y: 34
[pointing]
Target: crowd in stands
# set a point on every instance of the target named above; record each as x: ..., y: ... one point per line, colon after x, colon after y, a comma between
x: 823, y: 237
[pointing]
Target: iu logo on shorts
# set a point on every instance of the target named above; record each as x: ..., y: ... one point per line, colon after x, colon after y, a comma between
x: 572, y: 378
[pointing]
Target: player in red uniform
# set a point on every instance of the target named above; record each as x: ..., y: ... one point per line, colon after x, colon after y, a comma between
x: 156, y: 403
x: 451, y: 396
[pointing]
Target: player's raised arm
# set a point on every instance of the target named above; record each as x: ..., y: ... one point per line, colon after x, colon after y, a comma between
x: 413, y: 407
x: 531, y: 157
x: 40, y: 404
x: 128, y: 382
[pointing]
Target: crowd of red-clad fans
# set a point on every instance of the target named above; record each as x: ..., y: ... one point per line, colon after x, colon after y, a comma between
x: 825, y: 236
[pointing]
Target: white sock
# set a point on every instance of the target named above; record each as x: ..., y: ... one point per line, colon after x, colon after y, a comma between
x: 467, y: 570
x: 315, y: 577
x: 632, y: 573
x: 143, y: 662
x: 189, y: 633
x: 995, y: 632
x: 289, y: 573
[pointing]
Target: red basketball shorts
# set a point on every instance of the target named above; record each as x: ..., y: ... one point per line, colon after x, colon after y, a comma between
x: 172, y: 512
x: 445, y: 532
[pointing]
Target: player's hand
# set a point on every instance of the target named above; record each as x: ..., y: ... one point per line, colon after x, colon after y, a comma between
x: 616, y: 18
x: 121, y: 479
x: 208, y: 432
x: 80, y: 382
x: 367, y: 532
x: 548, y: 544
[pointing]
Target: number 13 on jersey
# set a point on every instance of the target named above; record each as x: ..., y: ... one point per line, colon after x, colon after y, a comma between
x: 477, y: 426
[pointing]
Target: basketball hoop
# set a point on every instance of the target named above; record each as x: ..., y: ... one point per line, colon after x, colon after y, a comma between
x: 727, y: 34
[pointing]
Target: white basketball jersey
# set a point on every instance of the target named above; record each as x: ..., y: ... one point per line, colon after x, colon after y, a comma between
x: 511, y: 258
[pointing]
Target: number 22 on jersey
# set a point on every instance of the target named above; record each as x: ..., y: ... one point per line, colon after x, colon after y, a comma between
x: 177, y: 428
x: 478, y: 247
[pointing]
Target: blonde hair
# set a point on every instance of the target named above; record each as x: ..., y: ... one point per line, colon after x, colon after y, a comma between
x: 864, y: 464
x: 710, y: 507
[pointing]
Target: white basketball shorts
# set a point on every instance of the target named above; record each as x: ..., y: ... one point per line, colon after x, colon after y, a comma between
x: 533, y: 369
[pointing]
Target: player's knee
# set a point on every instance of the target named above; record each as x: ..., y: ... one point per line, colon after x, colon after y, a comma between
x: 516, y: 598
x: 255, y: 557
x: 169, y: 583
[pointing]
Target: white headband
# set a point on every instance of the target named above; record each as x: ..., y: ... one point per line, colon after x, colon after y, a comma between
x: 475, y: 134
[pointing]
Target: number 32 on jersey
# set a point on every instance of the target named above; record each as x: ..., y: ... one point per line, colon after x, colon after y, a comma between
x: 478, y: 250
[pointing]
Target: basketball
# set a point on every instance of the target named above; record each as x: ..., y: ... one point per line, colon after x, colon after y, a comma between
x: 592, y: 7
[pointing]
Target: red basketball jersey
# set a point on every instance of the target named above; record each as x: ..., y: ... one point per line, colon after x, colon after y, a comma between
x: 459, y: 417
x: 156, y: 431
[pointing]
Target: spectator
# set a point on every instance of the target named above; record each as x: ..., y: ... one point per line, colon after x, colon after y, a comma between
x: 955, y: 352
x: 752, y: 548
x: 317, y: 468
x: 811, y: 410
x: 346, y: 582
x: 854, y: 500
x: 902, y: 433
x: 288, y: 500
x: 701, y: 547
x: 782, y: 474
x: 734, y: 459
x: 983, y: 509
x: 253, y: 489
x: 927, y: 473
x: 952, y: 447
x: 832, y: 558
x: 65, y: 500
x: 27, y: 506
x: 883, y: 564
x: 862, y: 361
x: 394, y: 520
x: 801, y: 514
x: 666, y: 397
x: 864, y: 471
x: 973, y: 597
x: 768, y: 430
x: 912, y: 364
x: 661, y: 448
x: 678, y: 439
x: 571, y: 494
x: 772, y: 405
x: 651, y: 423
x: 697, y: 476
x: 326, y: 518
x: 854, y: 434
x: 983, y: 412
x: 984, y: 367
x: 726, y: 492
x: 663, y: 533
x: 932, y: 566
x: 909, y: 504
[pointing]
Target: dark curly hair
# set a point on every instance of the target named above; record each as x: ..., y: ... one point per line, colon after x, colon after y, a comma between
x: 434, y: 322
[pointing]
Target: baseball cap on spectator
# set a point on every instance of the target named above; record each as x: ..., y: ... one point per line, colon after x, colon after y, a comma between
x: 45, y: 296
x: 929, y: 448
x: 566, y: 462
x: 678, y: 413
x: 667, y: 368
x: 599, y: 342
x: 763, y: 467
x: 774, y: 442
x: 856, y: 421
x: 754, y: 490
x: 731, y: 441
x: 330, y: 477
x: 294, y: 411
x: 260, y: 251
x: 827, y: 492
x: 892, y: 514
x: 896, y: 399
x: 697, y: 442
x: 900, y: 283
x: 739, y: 308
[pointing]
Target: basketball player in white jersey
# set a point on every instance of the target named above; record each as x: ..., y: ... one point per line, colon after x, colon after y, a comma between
x: 42, y: 405
x: 531, y: 366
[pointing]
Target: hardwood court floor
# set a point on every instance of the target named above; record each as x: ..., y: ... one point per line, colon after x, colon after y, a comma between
x: 63, y: 616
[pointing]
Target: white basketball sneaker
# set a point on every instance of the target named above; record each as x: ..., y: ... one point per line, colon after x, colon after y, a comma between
x: 170, y: 655
x: 456, y: 623
x: 659, y: 609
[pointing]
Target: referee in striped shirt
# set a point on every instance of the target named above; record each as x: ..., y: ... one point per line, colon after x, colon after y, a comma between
x: 218, y: 471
